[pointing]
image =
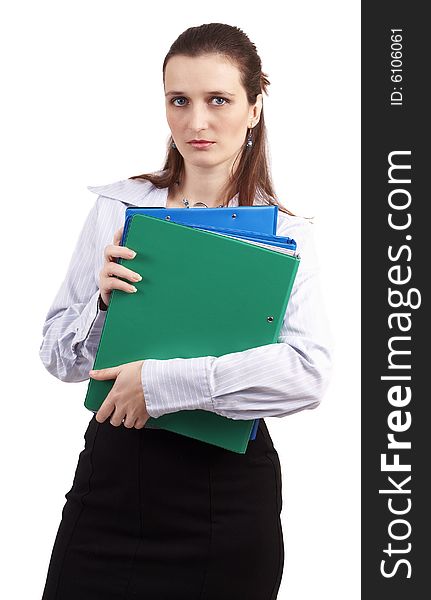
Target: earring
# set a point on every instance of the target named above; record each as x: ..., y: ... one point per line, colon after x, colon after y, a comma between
x: 249, y: 140
x: 173, y: 145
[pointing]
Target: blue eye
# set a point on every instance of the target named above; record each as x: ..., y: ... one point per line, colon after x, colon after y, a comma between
x: 182, y: 101
x: 225, y: 101
x: 178, y: 98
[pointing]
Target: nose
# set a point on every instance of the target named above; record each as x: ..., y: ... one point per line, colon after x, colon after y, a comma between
x: 198, y: 117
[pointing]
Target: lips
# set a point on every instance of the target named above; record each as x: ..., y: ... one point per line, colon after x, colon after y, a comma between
x: 201, y: 143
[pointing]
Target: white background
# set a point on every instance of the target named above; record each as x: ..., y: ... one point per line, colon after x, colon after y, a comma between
x: 82, y: 104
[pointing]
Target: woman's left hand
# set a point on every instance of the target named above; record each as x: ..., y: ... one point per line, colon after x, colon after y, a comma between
x: 126, y: 397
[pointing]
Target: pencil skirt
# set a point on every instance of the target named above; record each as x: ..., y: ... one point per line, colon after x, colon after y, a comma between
x: 158, y: 516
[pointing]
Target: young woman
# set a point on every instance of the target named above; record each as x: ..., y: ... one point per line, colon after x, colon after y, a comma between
x: 153, y: 514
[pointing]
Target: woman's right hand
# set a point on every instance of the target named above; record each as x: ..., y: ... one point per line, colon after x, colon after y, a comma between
x: 111, y: 271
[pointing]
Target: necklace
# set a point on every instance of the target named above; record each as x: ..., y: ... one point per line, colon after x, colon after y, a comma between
x: 201, y: 204
x: 186, y: 202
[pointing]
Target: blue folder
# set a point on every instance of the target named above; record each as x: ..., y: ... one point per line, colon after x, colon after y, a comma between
x: 255, y: 223
x: 260, y: 219
x: 272, y: 240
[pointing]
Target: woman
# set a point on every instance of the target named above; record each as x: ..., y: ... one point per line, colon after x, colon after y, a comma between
x: 152, y: 514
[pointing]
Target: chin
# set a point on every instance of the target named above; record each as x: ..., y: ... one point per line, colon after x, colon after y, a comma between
x: 202, y: 161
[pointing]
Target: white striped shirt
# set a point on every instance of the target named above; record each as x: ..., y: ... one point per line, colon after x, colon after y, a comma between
x: 271, y: 380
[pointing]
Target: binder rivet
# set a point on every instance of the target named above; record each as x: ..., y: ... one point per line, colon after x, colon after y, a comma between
x: 168, y: 218
x: 270, y: 319
x: 234, y: 215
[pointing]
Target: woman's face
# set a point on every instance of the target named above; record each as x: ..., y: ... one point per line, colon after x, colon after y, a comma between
x: 205, y: 100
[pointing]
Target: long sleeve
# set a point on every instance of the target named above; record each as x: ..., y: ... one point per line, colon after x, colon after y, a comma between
x: 74, y: 322
x: 272, y: 380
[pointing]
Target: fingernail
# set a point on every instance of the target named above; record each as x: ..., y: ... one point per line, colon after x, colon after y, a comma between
x: 137, y: 277
x: 134, y: 289
x: 132, y: 253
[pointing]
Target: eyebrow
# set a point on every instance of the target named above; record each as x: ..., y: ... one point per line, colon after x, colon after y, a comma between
x: 214, y: 93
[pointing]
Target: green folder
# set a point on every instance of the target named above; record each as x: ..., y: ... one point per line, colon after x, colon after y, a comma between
x: 201, y: 294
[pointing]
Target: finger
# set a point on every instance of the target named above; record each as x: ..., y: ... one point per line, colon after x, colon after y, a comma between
x: 112, y: 251
x: 101, y: 374
x: 118, y: 235
x: 118, y: 284
x: 129, y: 421
x: 113, y: 268
x: 109, y: 283
x: 105, y: 410
x: 118, y: 416
x: 140, y: 422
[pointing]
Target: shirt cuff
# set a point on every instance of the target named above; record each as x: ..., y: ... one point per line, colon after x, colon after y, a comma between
x: 176, y: 384
x: 91, y: 322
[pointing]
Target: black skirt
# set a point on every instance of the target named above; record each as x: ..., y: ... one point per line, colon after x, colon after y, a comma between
x: 158, y: 516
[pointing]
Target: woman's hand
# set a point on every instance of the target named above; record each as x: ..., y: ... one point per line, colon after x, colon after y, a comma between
x: 125, y: 400
x: 111, y: 271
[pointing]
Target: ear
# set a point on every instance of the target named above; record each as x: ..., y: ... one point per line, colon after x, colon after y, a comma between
x: 255, y: 110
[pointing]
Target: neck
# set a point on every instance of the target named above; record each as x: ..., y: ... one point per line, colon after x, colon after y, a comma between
x: 203, y: 185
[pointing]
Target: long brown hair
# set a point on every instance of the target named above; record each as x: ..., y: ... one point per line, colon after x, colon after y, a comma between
x: 252, y: 177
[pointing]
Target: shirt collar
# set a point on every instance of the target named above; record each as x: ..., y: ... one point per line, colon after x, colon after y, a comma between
x: 138, y: 192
